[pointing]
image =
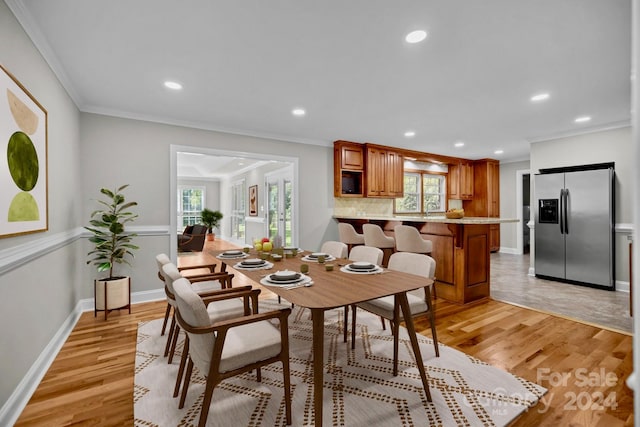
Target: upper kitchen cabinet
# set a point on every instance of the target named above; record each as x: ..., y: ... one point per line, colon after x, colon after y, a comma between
x: 348, y: 169
x: 460, y: 180
x: 384, y: 172
x: 486, y: 196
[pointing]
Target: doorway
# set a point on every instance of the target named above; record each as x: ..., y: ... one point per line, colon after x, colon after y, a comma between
x: 255, y: 170
x: 280, y: 211
x: 523, y: 210
x: 526, y: 212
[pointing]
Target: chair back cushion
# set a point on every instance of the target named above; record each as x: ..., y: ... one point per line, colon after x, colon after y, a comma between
x: 171, y: 274
x: 194, y: 313
x: 349, y: 235
x: 336, y: 249
x: 418, y: 264
x: 199, y: 229
x: 188, y: 229
x: 161, y: 260
x: 366, y: 254
x: 374, y: 236
x: 408, y: 239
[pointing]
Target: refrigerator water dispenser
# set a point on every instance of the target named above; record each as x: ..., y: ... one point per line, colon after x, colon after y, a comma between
x: 548, y: 211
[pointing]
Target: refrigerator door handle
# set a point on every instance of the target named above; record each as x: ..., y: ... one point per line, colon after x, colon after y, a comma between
x: 561, y: 213
x: 565, y: 206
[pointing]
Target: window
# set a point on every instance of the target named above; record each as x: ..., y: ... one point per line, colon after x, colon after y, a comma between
x: 410, y: 203
x: 423, y: 192
x: 434, y: 193
x: 238, y: 211
x: 190, y: 204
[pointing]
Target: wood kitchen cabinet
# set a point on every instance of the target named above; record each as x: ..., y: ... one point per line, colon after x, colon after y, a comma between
x: 384, y: 172
x: 486, y: 196
x: 460, y: 180
x: 348, y: 169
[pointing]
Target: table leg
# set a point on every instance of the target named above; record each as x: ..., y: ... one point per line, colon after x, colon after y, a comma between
x: 408, y: 320
x: 317, y: 316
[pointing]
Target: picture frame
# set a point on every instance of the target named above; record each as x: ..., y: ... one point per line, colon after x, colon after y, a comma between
x: 24, y: 204
x: 253, y: 200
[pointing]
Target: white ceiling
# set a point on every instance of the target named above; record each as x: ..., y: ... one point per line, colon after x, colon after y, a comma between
x: 246, y: 64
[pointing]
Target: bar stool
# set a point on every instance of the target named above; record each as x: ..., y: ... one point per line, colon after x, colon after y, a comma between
x: 408, y: 239
x: 349, y: 235
x: 374, y: 236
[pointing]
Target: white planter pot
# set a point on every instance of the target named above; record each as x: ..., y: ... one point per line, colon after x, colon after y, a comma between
x: 112, y: 295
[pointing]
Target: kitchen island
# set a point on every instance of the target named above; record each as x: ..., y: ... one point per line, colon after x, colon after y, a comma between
x: 460, y: 248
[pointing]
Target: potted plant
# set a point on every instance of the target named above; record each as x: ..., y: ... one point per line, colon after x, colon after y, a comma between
x: 212, y: 220
x: 112, y: 245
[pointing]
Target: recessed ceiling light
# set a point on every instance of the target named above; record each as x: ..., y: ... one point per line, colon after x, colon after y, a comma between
x: 298, y: 112
x: 416, y: 36
x: 172, y: 85
x: 409, y: 134
x: 459, y: 144
x: 582, y: 119
x: 498, y: 152
x: 540, y: 97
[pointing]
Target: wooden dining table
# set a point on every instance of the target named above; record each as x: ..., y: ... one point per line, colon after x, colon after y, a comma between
x: 332, y: 289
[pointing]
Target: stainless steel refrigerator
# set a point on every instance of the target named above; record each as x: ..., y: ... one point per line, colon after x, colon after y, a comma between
x: 574, y: 225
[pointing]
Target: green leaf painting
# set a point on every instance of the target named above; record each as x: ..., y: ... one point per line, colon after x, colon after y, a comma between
x: 23, y: 161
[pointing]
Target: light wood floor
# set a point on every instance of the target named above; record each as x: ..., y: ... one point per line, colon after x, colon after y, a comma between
x: 583, y: 366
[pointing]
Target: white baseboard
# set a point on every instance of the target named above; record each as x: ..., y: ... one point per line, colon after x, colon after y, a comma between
x: 16, y: 403
x: 512, y: 251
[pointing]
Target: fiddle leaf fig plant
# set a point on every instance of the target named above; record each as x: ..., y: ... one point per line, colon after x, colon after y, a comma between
x: 112, y: 243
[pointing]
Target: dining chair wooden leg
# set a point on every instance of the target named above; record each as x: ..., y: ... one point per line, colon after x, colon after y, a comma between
x: 185, y: 385
x: 286, y: 376
x: 384, y: 328
x: 172, y: 328
x: 166, y: 318
x: 345, y: 323
x: 174, y: 341
x: 395, y: 330
x: 432, y: 321
x: 401, y: 299
x: 183, y: 362
x: 208, y: 394
x: 353, y: 326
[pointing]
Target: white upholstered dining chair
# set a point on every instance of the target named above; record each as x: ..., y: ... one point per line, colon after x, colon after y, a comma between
x: 221, y: 350
x: 335, y: 249
x: 419, y: 299
x: 222, y: 304
x: 201, y: 284
x: 190, y: 271
x: 364, y: 254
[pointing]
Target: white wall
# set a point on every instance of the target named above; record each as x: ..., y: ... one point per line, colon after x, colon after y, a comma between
x: 130, y: 144
x: 597, y: 147
x: 39, y: 278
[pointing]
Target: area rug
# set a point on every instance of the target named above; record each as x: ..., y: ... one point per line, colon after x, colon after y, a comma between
x: 359, y: 388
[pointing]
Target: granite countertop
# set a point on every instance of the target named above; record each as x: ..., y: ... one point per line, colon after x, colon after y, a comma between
x: 440, y: 219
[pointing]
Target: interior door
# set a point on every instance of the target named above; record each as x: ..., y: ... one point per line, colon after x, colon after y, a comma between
x: 280, y: 213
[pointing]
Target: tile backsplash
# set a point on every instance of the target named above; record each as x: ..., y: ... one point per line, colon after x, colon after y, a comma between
x: 362, y: 206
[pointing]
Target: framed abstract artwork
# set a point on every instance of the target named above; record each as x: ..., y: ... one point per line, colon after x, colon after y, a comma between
x: 23, y: 176
x: 253, y: 200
